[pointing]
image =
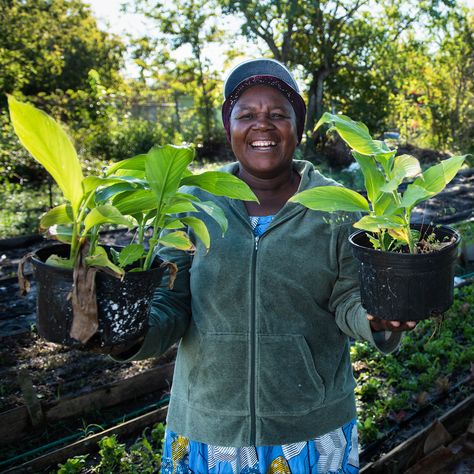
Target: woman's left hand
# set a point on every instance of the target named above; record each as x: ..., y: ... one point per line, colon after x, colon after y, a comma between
x: 378, y: 324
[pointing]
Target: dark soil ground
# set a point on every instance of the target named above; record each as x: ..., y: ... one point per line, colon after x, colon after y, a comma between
x: 58, y: 371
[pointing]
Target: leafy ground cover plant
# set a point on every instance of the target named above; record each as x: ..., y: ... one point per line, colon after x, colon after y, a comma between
x: 141, y: 192
x: 392, y: 387
x: 387, y: 209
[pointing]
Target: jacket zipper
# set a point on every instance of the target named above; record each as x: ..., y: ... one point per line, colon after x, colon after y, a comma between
x: 253, y: 347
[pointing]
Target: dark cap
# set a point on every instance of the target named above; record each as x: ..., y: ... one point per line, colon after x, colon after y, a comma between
x: 262, y: 71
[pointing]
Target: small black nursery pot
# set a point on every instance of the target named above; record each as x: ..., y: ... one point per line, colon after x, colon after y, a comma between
x: 404, y: 286
x: 123, y: 305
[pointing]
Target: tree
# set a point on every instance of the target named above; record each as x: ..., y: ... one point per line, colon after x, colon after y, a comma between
x: 52, y: 44
x: 346, y: 50
x: 322, y: 37
x: 188, y: 23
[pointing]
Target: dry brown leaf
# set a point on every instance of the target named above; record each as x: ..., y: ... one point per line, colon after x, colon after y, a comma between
x: 84, y: 300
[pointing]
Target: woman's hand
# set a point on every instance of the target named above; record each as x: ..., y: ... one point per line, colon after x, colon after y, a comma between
x: 378, y: 324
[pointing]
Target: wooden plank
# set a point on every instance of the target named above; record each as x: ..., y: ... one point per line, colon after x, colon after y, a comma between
x: 112, y: 394
x: 16, y: 423
x: 13, y: 423
x: 406, y: 454
x: 89, y: 444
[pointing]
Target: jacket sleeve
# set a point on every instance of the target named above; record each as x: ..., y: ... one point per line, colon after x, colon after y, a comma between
x: 345, y: 302
x: 170, y: 310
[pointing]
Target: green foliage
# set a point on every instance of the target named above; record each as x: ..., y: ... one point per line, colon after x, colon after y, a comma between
x: 388, y: 216
x: 73, y: 465
x: 140, y: 191
x: 390, y: 387
x: 142, y: 457
x: 72, y: 44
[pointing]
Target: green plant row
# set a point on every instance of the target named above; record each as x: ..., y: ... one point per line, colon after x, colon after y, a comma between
x: 432, y: 358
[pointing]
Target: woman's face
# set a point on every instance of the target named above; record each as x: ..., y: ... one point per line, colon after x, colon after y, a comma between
x: 263, y: 131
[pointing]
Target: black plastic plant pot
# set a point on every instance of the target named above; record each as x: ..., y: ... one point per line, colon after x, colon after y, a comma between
x: 404, y: 286
x: 123, y: 305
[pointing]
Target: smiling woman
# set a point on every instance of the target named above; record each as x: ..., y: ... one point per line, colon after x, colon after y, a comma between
x: 263, y: 380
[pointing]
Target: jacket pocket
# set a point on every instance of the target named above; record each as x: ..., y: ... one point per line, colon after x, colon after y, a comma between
x: 288, y: 382
x: 218, y: 380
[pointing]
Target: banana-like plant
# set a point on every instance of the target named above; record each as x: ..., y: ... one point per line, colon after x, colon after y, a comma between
x: 387, y: 208
x: 140, y: 192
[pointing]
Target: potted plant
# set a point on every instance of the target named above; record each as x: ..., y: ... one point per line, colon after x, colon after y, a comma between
x: 90, y: 294
x: 406, y: 271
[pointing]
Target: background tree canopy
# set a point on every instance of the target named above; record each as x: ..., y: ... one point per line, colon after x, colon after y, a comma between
x: 405, y: 67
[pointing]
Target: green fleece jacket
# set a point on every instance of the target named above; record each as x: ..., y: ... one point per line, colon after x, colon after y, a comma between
x: 264, y: 327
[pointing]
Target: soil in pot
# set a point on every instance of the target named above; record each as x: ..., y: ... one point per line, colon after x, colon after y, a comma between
x: 403, y: 286
x: 123, y: 305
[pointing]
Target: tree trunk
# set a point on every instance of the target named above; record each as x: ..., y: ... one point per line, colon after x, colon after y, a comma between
x: 176, y: 112
x: 314, y: 109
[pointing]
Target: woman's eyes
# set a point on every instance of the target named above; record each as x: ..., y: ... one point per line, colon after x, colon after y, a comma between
x: 273, y: 115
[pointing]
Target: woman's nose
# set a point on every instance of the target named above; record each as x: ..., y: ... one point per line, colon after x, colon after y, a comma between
x: 262, y: 122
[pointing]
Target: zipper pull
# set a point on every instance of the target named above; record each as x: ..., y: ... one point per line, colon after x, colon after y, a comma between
x: 256, y: 242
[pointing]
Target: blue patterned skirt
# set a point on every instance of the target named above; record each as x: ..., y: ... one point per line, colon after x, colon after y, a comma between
x: 335, y: 452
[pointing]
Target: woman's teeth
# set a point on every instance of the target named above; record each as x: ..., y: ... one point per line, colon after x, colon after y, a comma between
x: 262, y: 144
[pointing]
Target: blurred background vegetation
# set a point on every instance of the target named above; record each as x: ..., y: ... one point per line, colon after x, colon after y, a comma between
x: 405, y: 68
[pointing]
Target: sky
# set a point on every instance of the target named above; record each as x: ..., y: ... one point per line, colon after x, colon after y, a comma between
x: 111, y: 18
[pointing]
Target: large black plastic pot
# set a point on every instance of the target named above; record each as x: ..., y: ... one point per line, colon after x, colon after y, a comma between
x: 123, y: 305
x: 403, y: 286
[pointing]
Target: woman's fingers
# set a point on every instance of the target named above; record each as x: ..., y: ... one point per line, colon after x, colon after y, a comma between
x: 378, y: 324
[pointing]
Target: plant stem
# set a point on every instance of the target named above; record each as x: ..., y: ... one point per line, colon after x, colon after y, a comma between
x: 75, y: 242
x: 157, y: 225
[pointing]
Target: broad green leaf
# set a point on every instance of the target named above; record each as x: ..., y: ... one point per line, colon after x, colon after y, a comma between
x: 49, y: 144
x: 377, y: 223
x: 407, y: 166
x: 173, y: 224
x: 199, y: 228
x: 385, y: 204
x: 57, y: 215
x: 404, y: 166
x: 373, y: 177
x: 105, y: 214
x: 386, y: 159
x: 136, y: 163
x: 131, y: 174
x: 178, y: 239
x: 132, y: 202
x: 62, y: 233
x: 435, y: 179
x: 130, y: 254
x: 106, y: 193
x: 179, y: 207
x: 90, y: 183
x: 413, y: 195
x: 355, y: 134
x: 186, y: 196
x: 180, y: 202
x: 214, y: 211
x: 221, y: 184
x: 331, y: 198
x: 60, y: 262
x: 383, y: 146
x: 164, y: 168
x: 101, y: 259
